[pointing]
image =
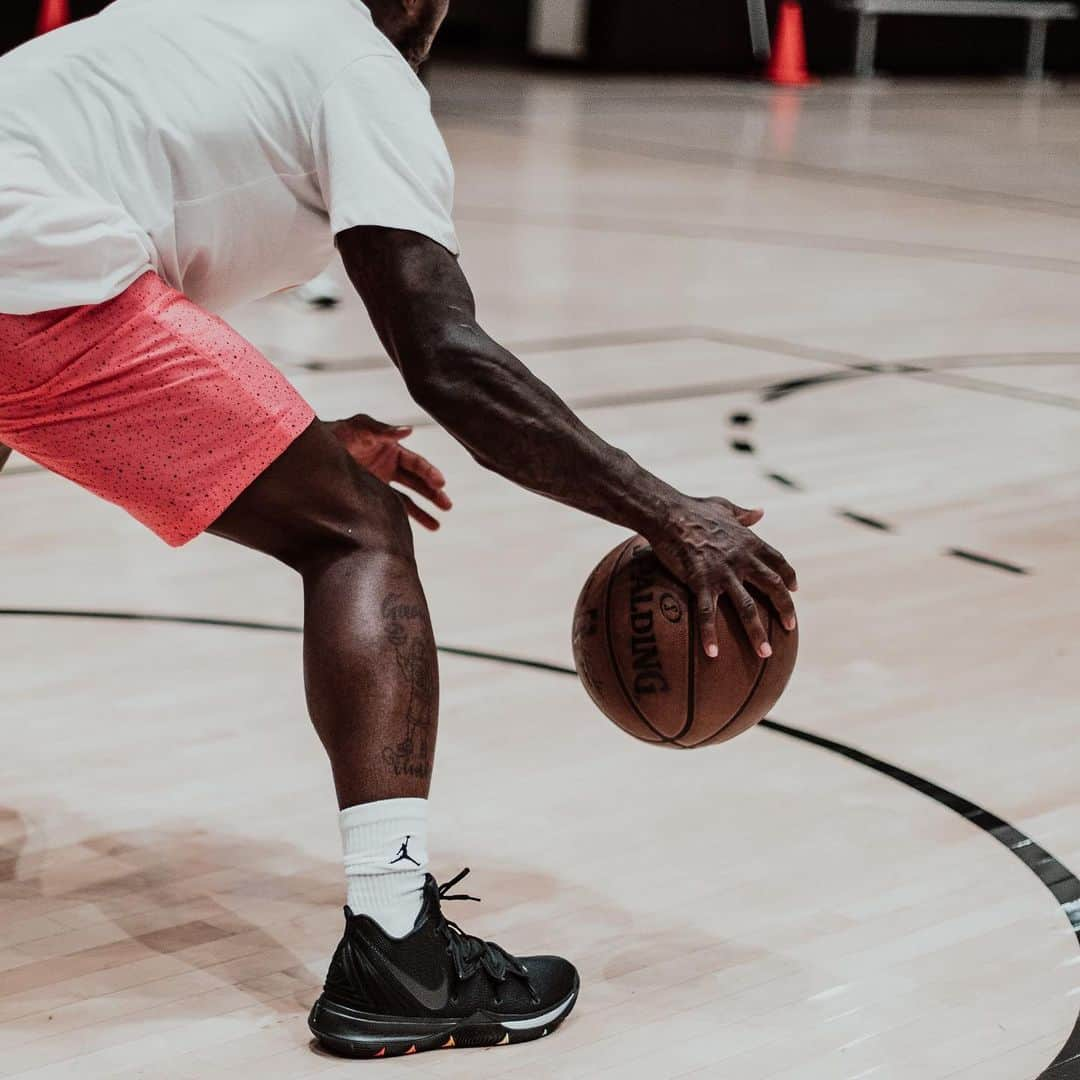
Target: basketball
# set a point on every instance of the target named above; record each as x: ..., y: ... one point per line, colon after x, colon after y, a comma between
x: 638, y: 653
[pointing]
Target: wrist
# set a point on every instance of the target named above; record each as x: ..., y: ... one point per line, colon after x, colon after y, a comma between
x: 647, y: 503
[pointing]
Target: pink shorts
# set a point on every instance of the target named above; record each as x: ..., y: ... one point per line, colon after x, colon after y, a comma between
x: 147, y: 401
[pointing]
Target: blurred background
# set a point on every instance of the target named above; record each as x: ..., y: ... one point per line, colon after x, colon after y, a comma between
x: 698, y: 35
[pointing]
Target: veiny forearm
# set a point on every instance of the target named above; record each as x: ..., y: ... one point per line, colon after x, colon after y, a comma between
x: 424, y: 312
x: 517, y: 426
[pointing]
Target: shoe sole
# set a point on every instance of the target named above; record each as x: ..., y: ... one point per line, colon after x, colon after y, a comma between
x: 351, y: 1033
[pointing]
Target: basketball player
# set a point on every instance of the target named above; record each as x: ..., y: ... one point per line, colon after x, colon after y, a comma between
x: 156, y: 163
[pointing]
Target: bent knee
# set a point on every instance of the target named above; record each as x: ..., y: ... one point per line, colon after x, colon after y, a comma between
x: 316, y: 503
x: 362, y: 515
x: 372, y: 516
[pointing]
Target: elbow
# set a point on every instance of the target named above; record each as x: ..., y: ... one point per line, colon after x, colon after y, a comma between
x: 438, y: 369
x: 454, y: 387
x: 429, y: 386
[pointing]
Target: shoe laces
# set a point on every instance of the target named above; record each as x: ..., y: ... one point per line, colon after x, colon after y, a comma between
x: 472, y: 954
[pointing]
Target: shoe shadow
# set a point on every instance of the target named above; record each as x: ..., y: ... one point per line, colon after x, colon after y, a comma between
x: 188, y: 925
x: 605, y: 940
x: 181, y: 922
x: 12, y: 842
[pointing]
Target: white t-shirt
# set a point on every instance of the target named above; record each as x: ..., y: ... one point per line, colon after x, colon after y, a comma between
x: 222, y: 143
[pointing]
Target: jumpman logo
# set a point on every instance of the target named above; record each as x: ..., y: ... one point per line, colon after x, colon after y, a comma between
x: 403, y: 853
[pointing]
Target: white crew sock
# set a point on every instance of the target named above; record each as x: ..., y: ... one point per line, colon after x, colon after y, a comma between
x: 385, y: 845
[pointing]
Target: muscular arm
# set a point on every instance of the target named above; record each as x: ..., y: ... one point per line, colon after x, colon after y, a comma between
x: 512, y: 423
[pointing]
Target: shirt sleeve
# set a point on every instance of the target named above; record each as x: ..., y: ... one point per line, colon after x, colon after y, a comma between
x: 379, y: 155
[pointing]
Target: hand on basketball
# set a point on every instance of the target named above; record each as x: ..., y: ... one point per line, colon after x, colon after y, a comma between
x: 377, y: 447
x: 707, y: 544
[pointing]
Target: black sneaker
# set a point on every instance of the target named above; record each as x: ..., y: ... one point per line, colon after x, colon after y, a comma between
x: 435, y: 989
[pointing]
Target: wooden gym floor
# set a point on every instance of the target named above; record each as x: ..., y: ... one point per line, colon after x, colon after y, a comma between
x: 856, y: 306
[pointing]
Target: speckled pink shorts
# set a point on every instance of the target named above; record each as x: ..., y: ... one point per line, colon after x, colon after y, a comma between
x: 149, y: 402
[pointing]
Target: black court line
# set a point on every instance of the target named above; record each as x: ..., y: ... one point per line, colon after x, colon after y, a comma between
x: 959, y: 361
x: 564, y: 343
x: 788, y: 387
x: 134, y: 616
x: 986, y: 560
x: 503, y: 658
x: 600, y: 340
x: 873, y: 522
x: 855, y: 366
x: 784, y: 481
x: 988, y: 386
x: 928, y: 369
x: 245, y: 624
x: 1055, y: 876
x: 865, y: 519
x: 1058, y: 879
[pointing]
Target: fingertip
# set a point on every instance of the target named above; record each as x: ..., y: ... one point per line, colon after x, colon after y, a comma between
x: 765, y: 651
x: 712, y: 650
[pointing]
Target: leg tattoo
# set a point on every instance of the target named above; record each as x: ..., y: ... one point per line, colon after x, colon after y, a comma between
x: 411, y: 756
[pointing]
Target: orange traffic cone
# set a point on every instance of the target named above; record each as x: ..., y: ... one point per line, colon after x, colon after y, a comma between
x: 787, y: 67
x: 51, y: 14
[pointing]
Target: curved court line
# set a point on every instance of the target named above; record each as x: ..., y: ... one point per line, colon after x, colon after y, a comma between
x: 673, y: 334
x: 1055, y: 876
x: 1061, y: 882
x: 959, y: 361
x: 938, y: 369
x: 782, y: 389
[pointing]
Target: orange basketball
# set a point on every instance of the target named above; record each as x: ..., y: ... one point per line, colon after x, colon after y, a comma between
x: 638, y: 653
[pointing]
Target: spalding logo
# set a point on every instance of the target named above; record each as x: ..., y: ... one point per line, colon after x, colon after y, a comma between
x: 649, y: 674
x: 670, y: 608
